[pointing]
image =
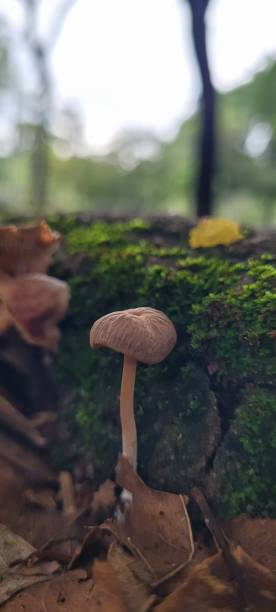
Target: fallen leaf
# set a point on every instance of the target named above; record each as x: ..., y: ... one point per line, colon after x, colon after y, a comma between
x: 254, y: 584
x: 95, y: 544
x: 13, y: 576
x: 104, y: 499
x: 155, y: 525
x: 70, y: 592
x: 212, y: 232
x: 133, y: 578
x: 208, y: 588
x: 256, y: 536
x: 107, y: 593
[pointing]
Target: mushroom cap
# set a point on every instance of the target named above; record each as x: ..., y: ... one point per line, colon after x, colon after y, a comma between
x: 145, y: 334
x: 34, y: 304
x: 27, y: 248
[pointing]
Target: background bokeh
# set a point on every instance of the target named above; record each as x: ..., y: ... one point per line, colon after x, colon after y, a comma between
x: 100, y: 107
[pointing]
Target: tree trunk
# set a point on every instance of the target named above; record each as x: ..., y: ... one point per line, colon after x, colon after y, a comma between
x: 204, y: 188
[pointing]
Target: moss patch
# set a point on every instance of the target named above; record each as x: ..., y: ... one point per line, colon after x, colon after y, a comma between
x: 222, y: 304
x: 245, y: 465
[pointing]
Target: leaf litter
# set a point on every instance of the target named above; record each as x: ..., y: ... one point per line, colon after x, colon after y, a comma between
x: 147, y: 556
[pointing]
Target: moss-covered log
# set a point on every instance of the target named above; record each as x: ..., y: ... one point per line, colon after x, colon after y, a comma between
x: 207, y: 415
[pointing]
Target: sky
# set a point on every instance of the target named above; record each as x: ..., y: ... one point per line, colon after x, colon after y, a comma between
x: 129, y: 64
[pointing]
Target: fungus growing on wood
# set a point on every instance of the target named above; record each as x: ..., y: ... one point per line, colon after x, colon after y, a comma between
x: 34, y: 304
x: 27, y: 248
x: 141, y: 334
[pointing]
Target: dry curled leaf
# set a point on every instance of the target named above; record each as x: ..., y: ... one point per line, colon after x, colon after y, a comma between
x: 14, y: 576
x: 256, y: 536
x: 156, y: 525
x: 208, y: 587
x: 27, y: 248
x: 212, y: 232
x: 36, y: 303
x: 254, y: 584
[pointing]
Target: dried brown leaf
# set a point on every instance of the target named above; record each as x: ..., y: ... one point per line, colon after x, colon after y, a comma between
x: 133, y: 578
x: 155, y: 524
x: 104, y: 499
x: 256, y: 536
x: 207, y: 589
x: 14, y: 576
x: 254, y: 584
x: 69, y: 592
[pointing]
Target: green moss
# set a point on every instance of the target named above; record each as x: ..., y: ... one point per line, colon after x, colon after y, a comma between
x: 224, y: 312
x: 246, y: 464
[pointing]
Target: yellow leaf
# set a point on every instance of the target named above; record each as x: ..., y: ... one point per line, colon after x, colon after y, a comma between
x: 211, y: 232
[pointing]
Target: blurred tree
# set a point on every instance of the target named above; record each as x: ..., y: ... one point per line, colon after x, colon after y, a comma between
x: 40, y: 51
x: 204, y: 187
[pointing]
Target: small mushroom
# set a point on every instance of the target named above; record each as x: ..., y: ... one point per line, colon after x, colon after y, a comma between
x: 34, y: 304
x: 141, y: 334
x: 27, y: 248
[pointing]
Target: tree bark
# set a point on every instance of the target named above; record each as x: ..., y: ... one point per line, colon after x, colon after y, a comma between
x: 204, y: 188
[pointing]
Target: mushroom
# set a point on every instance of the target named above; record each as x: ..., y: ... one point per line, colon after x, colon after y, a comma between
x: 141, y: 334
x: 34, y: 304
x: 27, y: 248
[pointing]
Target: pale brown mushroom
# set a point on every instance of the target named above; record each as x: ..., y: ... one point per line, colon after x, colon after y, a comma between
x: 27, y: 248
x: 34, y: 304
x: 141, y: 334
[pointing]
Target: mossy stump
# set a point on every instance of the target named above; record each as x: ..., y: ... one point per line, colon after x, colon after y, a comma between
x: 207, y: 415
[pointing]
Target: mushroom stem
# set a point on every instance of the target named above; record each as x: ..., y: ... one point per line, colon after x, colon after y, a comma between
x: 129, y: 434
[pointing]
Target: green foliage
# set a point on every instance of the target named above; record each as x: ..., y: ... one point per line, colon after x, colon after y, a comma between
x: 122, y: 182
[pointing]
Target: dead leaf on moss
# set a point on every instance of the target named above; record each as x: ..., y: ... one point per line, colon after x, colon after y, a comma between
x: 155, y: 525
x: 212, y: 232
